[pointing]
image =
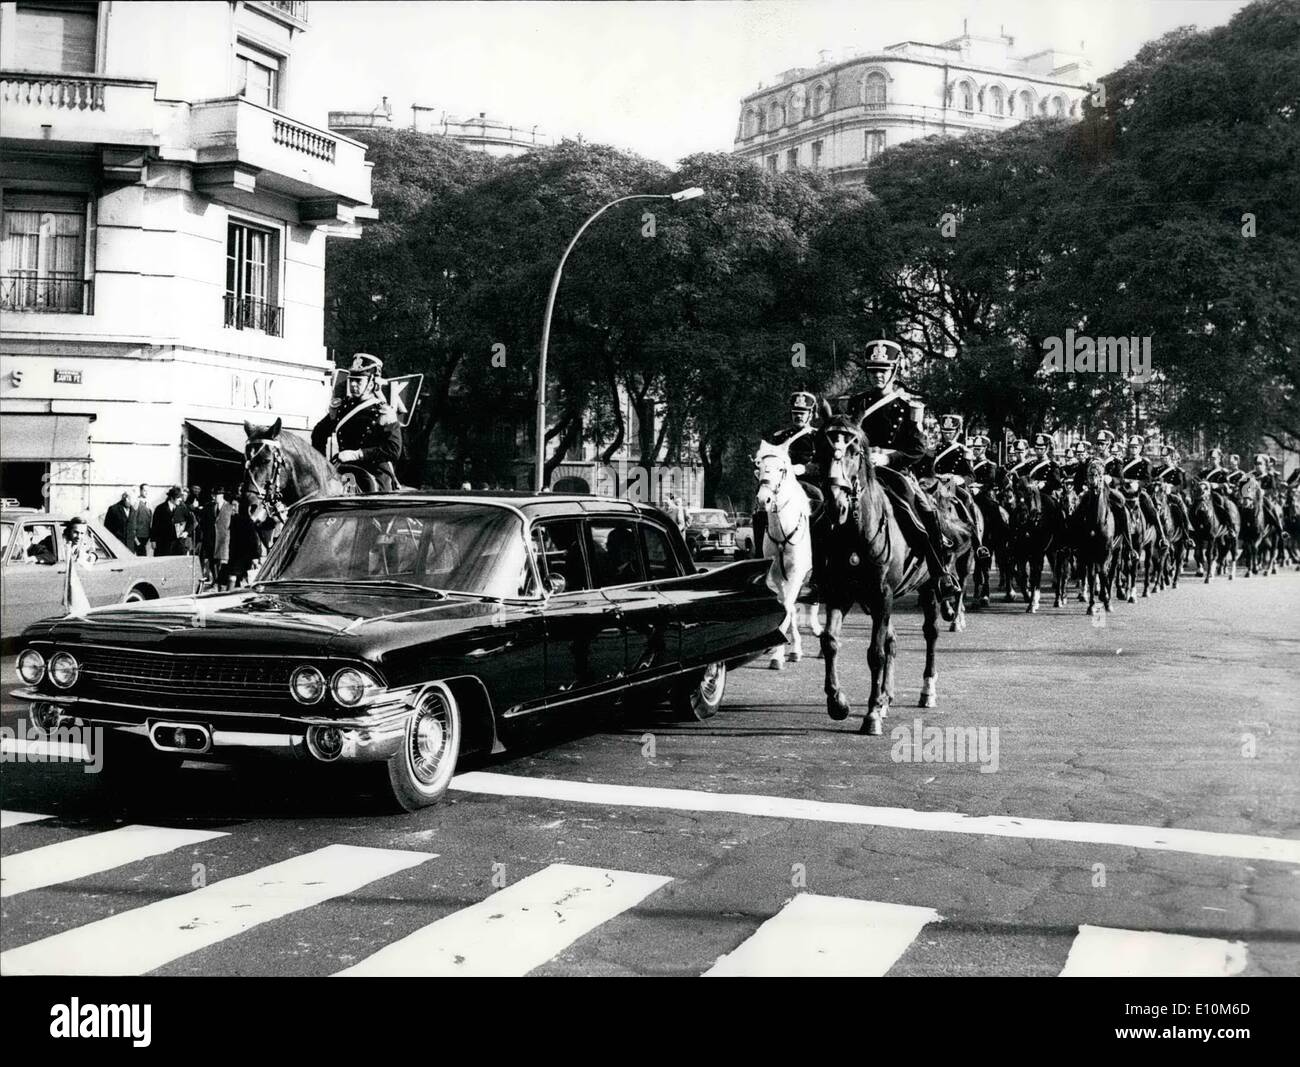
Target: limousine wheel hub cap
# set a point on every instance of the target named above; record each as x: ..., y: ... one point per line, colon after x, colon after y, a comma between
x: 429, y: 739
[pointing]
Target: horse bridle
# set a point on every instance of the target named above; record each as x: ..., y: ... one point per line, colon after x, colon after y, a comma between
x: 780, y: 542
x: 268, y: 493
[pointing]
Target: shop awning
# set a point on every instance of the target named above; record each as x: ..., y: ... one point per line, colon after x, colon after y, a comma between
x: 45, y: 437
x: 219, y: 440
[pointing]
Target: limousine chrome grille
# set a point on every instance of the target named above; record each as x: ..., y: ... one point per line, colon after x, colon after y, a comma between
x: 187, y: 680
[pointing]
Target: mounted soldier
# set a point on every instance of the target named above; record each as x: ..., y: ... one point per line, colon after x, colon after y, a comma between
x: 1269, y: 482
x: 891, y: 420
x: 984, y: 472
x: 1043, y: 470
x: 1019, y: 461
x: 1135, y: 468
x: 798, y: 438
x: 1113, y: 466
x: 361, y: 434
x: 951, y: 460
x: 1235, y: 473
x: 1216, y: 473
x: 1172, y: 476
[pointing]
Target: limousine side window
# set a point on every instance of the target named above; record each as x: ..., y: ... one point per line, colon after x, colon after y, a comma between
x: 558, y: 545
x: 616, y: 558
x: 660, y: 560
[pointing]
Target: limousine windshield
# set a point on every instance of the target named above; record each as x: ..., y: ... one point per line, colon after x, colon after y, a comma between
x: 455, y: 547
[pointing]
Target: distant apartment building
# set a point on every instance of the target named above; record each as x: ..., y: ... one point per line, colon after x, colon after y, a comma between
x: 164, y: 219
x: 482, y: 133
x: 840, y: 115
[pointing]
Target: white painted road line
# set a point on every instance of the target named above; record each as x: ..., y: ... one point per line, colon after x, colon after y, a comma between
x: 17, y: 818
x: 67, y: 861
x: 146, y: 938
x: 516, y: 929
x: 1198, y: 842
x: 1102, y: 952
x: 69, y: 751
x: 827, y: 937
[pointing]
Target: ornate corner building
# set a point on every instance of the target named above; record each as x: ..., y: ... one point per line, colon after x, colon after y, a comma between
x: 164, y: 217
x: 840, y: 115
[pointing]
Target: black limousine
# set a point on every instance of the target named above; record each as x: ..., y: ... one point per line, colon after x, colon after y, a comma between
x: 401, y: 631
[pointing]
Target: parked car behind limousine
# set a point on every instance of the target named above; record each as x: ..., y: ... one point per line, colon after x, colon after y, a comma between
x: 34, y: 568
x: 710, y: 531
x: 402, y: 631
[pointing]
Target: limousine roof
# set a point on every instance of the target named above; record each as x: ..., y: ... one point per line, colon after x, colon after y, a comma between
x: 534, y: 505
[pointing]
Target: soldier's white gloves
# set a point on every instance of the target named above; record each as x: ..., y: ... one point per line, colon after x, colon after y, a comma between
x: 797, y: 469
x: 880, y: 457
x: 349, y: 455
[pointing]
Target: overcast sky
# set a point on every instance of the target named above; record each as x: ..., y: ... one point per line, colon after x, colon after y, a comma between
x: 665, y: 79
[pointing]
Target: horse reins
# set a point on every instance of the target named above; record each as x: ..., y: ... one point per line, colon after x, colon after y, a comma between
x: 270, y: 495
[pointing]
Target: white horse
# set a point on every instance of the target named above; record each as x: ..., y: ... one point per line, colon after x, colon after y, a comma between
x: 787, y: 543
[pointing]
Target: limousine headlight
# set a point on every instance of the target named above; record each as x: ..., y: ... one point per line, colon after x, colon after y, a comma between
x: 64, y: 670
x: 31, y: 666
x: 350, y: 686
x: 307, y: 685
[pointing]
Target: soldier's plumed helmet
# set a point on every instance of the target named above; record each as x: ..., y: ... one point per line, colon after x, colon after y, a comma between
x: 1261, y: 457
x: 1083, y: 447
x: 801, y: 401
x: 1042, y: 440
x: 979, y: 441
x: 1021, y: 445
x: 1105, y: 437
x: 1135, y: 441
x: 365, y: 363
x: 1168, y: 450
x: 881, y: 355
x: 1234, y: 458
x: 1216, y: 453
x: 951, y: 423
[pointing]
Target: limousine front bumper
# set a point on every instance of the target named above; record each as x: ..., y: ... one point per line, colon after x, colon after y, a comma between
x: 373, y: 737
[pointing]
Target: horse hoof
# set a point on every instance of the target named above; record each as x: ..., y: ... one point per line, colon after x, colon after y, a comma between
x: 1131, y: 599
x: 872, y: 726
x: 928, y: 700
x: 776, y: 665
x: 984, y: 602
x: 837, y: 708
x: 795, y: 657
x: 1145, y: 594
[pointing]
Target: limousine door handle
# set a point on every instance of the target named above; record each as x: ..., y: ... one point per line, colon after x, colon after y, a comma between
x: 488, y: 651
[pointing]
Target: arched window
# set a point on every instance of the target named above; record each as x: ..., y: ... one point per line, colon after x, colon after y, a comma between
x: 775, y: 116
x: 1058, y: 106
x: 967, y: 96
x: 752, y: 123
x: 997, y: 104
x: 821, y: 99
x: 795, y: 104
x: 873, y: 90
x: 1026, y: 103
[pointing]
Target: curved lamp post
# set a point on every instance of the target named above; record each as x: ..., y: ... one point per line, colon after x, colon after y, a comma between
x: 683, y: 194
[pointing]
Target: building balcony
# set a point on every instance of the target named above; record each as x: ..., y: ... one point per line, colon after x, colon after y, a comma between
x: 244, y: 146
x: 247, y: 313
x: 28, y: 291
x: 294, y: 10
x: 87, y: 109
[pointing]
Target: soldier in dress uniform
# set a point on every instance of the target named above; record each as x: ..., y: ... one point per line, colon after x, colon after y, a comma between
x: 1269, y: 482
x: 1235, y: 473
x: 1135, y: 468
x: 1043, y: 470
x: 1171, y: 474
x: 951, y: 459
x: 1019, y: 462
x: 800, y: 439
x: 361, y: 431
x: 891, y: 421
x: 1113, y: 466
x: 984, y: 472
x: 1216, y: 473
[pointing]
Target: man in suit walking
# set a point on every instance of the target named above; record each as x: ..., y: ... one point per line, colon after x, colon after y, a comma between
x: 167, y: 516
x: 117, y: 520
x: 140, y: 528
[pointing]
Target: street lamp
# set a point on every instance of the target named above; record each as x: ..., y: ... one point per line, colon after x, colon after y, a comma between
x: 680, y: 195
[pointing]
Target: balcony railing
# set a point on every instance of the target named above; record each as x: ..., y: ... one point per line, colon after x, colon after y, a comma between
x: 32, y: 292
x: 303, y: 139
x: 246, y: 313
x: 56, y: 91
x: 293, y: 8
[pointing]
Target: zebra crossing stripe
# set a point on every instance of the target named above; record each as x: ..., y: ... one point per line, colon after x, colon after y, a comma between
x: 17, y: 818
x: 1124, y: 835
x: 828, y: 937
x: 146, y: 938
x: 1103, y: 952
x: 517, y: 928
x: 67, y: 861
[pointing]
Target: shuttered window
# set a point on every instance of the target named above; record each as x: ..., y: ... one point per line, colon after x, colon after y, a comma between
x: 44, y: 253
x: 259, y: 75
x: 56, y: 36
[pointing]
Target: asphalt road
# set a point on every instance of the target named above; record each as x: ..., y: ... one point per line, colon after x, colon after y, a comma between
x: 1141, y: 814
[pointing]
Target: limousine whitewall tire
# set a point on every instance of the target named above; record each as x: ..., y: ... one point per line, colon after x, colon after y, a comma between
x: 700, y: 695
x: 420, y: 772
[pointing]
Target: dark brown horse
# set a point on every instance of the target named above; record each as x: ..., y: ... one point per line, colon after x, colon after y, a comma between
x: 1215, y: 533
x: 1037, y: 534
x: 280, y: 469
x: 1092, y: 534
x: 867, y: 562
x: 1258, y: 540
